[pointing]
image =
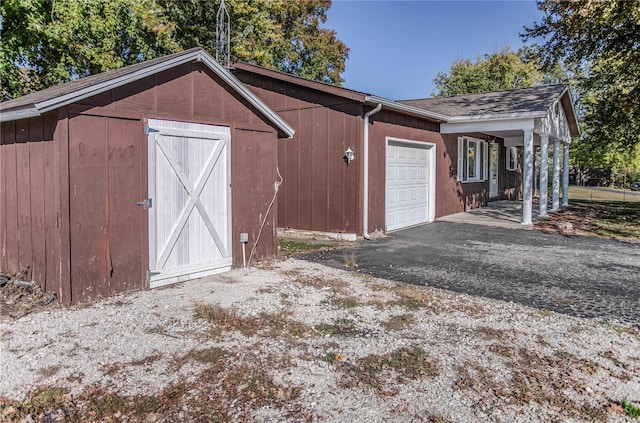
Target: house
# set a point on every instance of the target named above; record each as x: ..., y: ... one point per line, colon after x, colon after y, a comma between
x: 413, y: 161
x: 138, y: 177
x: 166, y: 170
x: 522, y: 118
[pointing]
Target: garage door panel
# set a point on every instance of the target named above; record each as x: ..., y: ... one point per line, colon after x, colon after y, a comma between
x: 407, y: 184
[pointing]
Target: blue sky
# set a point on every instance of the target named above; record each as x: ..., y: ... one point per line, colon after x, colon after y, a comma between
x: 398, y: 47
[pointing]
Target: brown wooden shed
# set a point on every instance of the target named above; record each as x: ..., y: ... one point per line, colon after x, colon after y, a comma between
x: 411, y: 168
x: 137, y: 177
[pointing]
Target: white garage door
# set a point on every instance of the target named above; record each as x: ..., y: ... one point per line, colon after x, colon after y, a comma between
x: 410, y: 183
x: 190, y: 213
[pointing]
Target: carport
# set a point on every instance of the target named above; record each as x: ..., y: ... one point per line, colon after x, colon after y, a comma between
x: 524, y: 118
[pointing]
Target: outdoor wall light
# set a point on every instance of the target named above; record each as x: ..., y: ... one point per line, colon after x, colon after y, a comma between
x: 348, y: 156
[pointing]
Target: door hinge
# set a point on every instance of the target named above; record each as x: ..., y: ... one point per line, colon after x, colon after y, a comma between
x: 147, y: 130
x: 147, y: 204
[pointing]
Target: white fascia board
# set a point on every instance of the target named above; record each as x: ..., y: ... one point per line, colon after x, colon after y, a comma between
x: 17, y: 114
x: 494, y: 117
x: 573, y: 108
x: 487, y: 125
x: 393, y: 105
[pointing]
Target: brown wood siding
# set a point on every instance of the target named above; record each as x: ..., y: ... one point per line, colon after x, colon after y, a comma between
x: 472, y: 195
x: 68, y: 217
x: 10, y: 200
x: 104, y: 163
x: 319, y: 192
x: 61, y: 175
x: 253, y: 173
x: 192, y: 93
x: 510, y: 182
x: 29, y: 236
x: 390, y: 124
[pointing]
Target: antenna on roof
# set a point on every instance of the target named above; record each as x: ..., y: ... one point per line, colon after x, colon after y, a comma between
x: 223, y: 35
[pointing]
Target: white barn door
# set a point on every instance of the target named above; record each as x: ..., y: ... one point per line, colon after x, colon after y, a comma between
x: 189, y: 190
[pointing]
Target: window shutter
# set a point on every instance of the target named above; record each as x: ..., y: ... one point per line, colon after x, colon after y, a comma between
x: 485, y: 161
x: 461, y: 154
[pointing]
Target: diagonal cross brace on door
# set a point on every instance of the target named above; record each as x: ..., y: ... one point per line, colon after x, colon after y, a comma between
x: 194, y: 198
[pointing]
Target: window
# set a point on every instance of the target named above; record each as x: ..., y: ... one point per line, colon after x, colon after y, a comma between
x: 472, y: 160
x: 512, y: 158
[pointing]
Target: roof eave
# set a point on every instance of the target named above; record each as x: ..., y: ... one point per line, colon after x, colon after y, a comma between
x: 197, y: 55
x: 24, y: 112
x: 501, y: 116
x: 301, y: 81
x: 576, y: 133
x: 404, y: 108
x: 237, y: 85
x: 72, y: 97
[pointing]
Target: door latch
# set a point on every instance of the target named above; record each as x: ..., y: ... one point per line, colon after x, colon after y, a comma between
x: 147, y: 204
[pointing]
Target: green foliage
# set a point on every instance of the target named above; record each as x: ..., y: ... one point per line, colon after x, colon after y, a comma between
x: 601, y: 39
x: 631, y: 410
x: 500, y: 71
x: 588, y: 153
x: 278, y: 34
x: 46, y: 42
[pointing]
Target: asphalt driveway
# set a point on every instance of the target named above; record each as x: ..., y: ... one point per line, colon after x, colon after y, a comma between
x: 579, y: 276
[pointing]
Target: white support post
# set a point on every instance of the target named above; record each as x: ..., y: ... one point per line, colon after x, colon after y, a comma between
x: 565, y: 176
x: 555, y: 205
x: 544, y: 173
x: 527, y: 178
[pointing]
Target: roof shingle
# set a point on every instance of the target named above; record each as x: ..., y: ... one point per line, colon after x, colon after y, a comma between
x: 524, y: 100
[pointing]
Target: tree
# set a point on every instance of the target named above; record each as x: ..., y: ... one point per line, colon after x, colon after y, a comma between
x: 504, y: 70
x: 602, y: 39
x: 46, y: 42
x: 279, y: 34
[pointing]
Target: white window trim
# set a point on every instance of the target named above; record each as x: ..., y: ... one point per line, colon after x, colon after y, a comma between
x: 482, y: 165
x: 512, y: 157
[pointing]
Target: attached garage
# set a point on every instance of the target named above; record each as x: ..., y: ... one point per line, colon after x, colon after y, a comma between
x: 390, y: 183
x: 410, y: 183
x: 136, y: 178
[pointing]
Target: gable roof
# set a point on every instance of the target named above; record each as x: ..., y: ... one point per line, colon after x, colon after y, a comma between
x: 39, y: 102
x: 346, y: 93
x: 517, y: 103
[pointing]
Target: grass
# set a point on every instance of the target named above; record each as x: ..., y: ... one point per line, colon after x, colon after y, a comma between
x: 339, y: 327
x: 632, y: 411
x: 399, y: 322
x: 374, y: 371
x: 619, y: 220
x: 597, y: 194
x: 605, y: 215
x: 230, y: 388
x: 291, y: 247
x: 345, y: 302
x: 333, y: 357
x: 350, y: 260
x: 48, y: 371
x: 337, y: 286
x: 268, y: 324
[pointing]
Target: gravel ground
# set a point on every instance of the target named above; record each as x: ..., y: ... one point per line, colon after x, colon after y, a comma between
x: 574, y: 275
x: 298, y: 341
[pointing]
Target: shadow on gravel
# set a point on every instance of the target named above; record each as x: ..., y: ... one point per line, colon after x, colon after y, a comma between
x: 578, y: 276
